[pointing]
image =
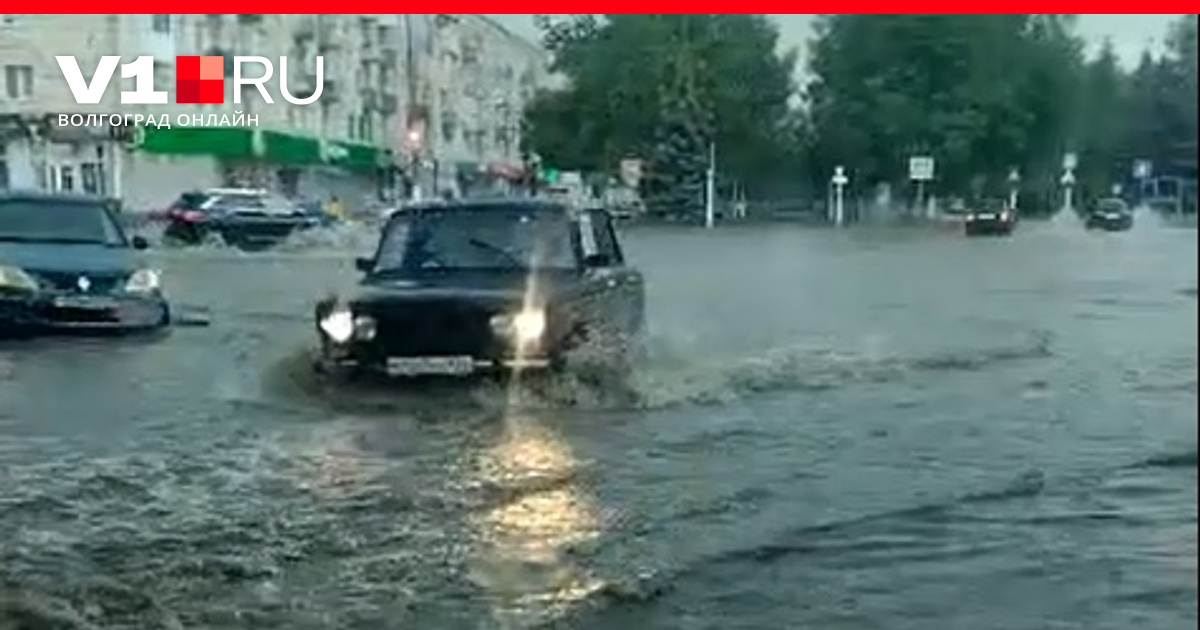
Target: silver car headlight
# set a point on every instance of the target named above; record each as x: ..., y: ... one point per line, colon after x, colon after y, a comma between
x: 525, y: 326
x: 144, y: 281
x: 16, y: 278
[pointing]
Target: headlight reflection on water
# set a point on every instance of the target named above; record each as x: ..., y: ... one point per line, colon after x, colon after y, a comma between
x: 524, y: 540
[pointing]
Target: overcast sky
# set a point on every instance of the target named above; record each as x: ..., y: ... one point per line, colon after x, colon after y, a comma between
x: 1130, y: 34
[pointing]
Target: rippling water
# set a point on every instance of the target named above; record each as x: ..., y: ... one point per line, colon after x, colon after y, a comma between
x: 858, y: 429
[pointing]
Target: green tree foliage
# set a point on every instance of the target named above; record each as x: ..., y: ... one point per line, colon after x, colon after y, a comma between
x: 980, y: 93
x: 662, y: 87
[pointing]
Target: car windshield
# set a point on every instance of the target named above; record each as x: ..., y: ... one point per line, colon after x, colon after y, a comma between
x: 507, y: 238
x: 55, y: 221
x: 1112, y: 205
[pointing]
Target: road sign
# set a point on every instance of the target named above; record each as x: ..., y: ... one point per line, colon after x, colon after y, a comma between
x: 920, y: 168
x: 1068, y: 179
x: 1070, y: 161
x: 839, y: 176
x: 1142, y: 169
x: 1014, y: 176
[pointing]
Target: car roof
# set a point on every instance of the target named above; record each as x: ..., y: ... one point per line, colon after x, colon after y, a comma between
x: 235, y: 191
x: 54, y: 197
x: 471, y: 205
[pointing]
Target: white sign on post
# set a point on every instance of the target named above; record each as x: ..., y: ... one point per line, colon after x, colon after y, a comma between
x: 839, y: 182
x: 1142, y: 169
x: 1014, y: 176
x: 1068, y: 179
x: 1070, y: 161
x: 920, y: 168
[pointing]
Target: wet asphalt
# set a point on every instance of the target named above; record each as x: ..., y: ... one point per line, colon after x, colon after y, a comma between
x: 872, y: 428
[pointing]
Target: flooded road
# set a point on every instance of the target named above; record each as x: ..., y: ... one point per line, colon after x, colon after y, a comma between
x: 861, y: 429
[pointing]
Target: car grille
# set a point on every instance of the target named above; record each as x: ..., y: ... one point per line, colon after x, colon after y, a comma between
x: 69, y: 282
x: 434, y: 329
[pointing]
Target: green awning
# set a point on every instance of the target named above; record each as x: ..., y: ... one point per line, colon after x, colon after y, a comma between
x: 223, y: 142
x: 357, y: 157
x: 274, y: 147
x: 286, y: 148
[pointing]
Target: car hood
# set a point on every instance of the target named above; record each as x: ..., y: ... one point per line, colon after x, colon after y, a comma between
x: 478, y: 287
x: 54, y: 257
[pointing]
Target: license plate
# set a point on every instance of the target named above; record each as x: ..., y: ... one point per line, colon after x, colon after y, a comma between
x: 987, y: 216
x: 89, y: 303
x: 435, y: 366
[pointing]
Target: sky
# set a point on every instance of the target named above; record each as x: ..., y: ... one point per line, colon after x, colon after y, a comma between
x: 1130, y: 33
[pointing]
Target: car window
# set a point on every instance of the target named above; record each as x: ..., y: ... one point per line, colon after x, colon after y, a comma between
x: 192, y: 201
x: 55, y: 221
x: 236, y: 202
x: 477, y: 239
x: 605, y: 238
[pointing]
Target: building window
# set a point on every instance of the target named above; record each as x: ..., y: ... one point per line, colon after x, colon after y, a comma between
x: 3, y: 166
x: 91, y: 177
x: 66, y: 178
x: 160, y: 23
x: 18, y: 81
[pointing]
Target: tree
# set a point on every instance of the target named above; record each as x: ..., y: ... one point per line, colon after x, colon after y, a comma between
x: 980, y: 93
x: 651, y: 85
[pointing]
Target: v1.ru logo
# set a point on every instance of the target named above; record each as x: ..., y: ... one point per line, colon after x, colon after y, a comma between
x: 200, y: 80
x: 197, y: 80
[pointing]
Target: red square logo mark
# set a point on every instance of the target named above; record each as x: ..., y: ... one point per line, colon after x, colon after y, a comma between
x: 200, y: 80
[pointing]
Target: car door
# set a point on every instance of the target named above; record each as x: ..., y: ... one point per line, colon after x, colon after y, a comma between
x: 617, y: 289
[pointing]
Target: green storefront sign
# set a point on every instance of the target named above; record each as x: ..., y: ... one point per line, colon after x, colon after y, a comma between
x: 275, y: 147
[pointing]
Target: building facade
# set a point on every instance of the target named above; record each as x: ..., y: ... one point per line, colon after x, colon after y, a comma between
x: 406, y: 100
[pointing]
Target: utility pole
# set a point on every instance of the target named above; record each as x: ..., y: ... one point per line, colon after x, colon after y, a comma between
x: 710, y: 187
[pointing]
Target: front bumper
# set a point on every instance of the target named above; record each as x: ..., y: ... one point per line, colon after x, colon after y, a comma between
x: 58, y: 312
x: 1114, y: 224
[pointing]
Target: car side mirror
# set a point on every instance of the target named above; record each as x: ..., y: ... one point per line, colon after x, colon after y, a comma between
x: 140, y: 242
x: 364, y: 265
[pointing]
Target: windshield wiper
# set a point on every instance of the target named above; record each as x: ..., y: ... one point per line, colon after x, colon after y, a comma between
x: 513, y: 260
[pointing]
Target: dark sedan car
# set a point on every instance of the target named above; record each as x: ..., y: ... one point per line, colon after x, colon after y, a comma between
x: 1112, y: 214
x: 991, y: 217
x: 485, y: 287
x: 245, y: 218
x: 66, y: 264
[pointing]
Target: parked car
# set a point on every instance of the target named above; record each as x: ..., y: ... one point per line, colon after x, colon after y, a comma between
x: 1110, y: 214
x: 468, y: 287
x: 990, y: 217
x: 241, y: 217
x: 67, y: 264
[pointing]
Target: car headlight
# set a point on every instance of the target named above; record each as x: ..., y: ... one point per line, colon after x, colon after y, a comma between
x: 338, y: 324
x: 16, y: 278
x: 525, y: 326
x: 143, y: 281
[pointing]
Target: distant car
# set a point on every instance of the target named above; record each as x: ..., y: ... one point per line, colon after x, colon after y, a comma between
x: 469, y: 287
x: 243, y: 218
x: 67, y: 264
x: 990, y: 217
x: 1110, y: 214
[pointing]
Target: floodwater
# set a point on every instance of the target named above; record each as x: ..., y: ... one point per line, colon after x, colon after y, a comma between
x: 855, y: 429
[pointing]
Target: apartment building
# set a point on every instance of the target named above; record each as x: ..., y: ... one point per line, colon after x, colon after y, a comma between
x: 481, y: 76
x: 406, y: 101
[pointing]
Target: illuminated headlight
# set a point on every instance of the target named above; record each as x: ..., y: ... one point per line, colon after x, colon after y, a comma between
x: 364, y: 328
x: 16, y: 278
x: 525, y: 326
x: 339, y: 324
x: 143, y: 281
